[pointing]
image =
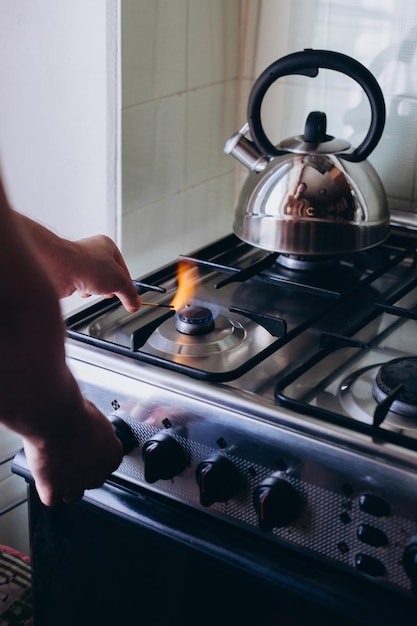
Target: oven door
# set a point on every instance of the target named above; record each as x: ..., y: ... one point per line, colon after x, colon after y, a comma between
x: 129, y: 557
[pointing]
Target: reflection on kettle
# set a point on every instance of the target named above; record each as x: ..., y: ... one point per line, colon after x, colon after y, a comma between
x: 321, y: 190
x: 311, y: 194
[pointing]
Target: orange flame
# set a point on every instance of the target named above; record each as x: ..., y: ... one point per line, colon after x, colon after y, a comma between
x: 187, y: 276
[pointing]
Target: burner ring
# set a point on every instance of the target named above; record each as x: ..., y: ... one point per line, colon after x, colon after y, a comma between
x: 227, y: 337
x: 305, y: 263
x: 357, y: 401
x: 402, y: 371
x: 194, y: 320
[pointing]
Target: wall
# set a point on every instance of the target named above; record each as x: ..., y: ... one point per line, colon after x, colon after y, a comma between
x: 180, y: 66
x: 59, y: 112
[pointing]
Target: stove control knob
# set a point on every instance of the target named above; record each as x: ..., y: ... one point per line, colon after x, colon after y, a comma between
x: 218, y: 479
x: 276, y: 502
x: 163, y: 458
x: 124, y: 433
x: 374, y: 505
x: 409, y: 562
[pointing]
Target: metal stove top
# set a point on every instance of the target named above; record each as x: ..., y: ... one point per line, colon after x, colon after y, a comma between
x: 259, y: 302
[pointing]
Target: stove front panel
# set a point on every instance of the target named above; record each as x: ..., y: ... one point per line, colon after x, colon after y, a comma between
x: 351, y: 508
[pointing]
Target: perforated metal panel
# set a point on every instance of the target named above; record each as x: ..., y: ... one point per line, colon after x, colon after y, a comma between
x: 329, y: 480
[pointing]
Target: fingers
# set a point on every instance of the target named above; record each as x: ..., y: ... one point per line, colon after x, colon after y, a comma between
x: 130, y: 303
x: 128, y: 296
x: 73, y: 497
x: 51, y: 498
x: 104, y: 272
x: 130, y: 300
x: 51, y: 495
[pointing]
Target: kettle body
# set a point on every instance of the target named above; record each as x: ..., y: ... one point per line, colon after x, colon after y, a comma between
x: 311, y: 194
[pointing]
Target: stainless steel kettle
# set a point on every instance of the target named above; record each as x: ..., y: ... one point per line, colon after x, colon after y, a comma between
x: 311, y: 194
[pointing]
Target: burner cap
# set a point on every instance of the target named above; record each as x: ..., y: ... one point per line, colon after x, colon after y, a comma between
x: 306, y: 263
x: 392, y: 374
x: 194, y: 320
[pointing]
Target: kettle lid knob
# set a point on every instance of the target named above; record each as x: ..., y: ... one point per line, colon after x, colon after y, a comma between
x: 315, y: 128
x: 315, y: 139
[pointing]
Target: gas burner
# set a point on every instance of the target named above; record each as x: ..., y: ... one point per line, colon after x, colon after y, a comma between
x: 305, y: 263
x: 397, y: 378
x: 193, y: 333
x: 194, y: 320
x: 357, y: 397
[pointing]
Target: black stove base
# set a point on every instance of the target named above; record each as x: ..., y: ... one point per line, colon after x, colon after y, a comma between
x: 152, y: 563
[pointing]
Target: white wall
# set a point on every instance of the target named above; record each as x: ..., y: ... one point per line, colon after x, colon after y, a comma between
x: 59, y: 110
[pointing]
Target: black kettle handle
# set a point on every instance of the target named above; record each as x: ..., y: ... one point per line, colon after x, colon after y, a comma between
x: 308, y: 62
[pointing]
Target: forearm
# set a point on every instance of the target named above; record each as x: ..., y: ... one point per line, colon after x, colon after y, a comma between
x: 56, y: 253
x: 39, y: 397
x: 31, y: 336
x: 42, y: 238
x: 93, y: 265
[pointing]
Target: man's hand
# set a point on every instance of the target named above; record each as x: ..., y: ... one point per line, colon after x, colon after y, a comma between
x: 95, y: 266
x: 90, y: 266
x: 79, y: 456
x: 69, y: 444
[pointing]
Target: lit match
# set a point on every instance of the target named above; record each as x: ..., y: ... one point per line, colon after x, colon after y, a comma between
x: 165, y: 306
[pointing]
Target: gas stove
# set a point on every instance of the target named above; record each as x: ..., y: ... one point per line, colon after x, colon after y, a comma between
x: 273, y: 393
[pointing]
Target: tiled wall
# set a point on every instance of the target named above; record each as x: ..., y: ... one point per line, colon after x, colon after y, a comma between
x: 180, y: 62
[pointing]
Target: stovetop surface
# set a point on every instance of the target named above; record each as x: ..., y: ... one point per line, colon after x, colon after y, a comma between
x: 258, y: 306
x: 291, y: 337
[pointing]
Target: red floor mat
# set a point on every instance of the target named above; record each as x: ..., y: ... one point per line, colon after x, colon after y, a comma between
x: 15, y: 588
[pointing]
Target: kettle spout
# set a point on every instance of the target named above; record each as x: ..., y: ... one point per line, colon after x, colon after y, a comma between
x: 245, y: 150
